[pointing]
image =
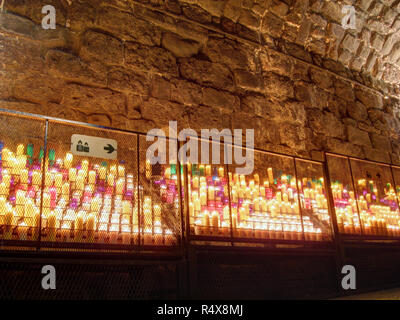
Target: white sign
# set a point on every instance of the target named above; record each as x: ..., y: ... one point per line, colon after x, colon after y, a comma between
x: 88, y: 146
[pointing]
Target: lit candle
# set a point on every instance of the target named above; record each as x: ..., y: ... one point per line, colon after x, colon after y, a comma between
x: 119, y: 186
x: 121, y: 171
x: 167, y: 173
x: 23, y: 231
x: 80, y: 183
x: 90, y: 226
x: 148, y: 169
x: 51, y: 225
x: 270, y: 175
x: 20, y: 149
x: 147, y: 237
x: 114, y: 230
x: 195, y: 181
x: 211, y: 193
x: 110, y: 180
x: 126, y: 234
x: 203, y: 198
x: 126, y: 207
x: 197, y: 205
x: 68, y: 160
x: 221, y: 171
x: 36, y: 178
x: 72, y: 174
x: 24, y: 176
x: 102, y: 173
x: 206, y: 221
x: 215, y: 219
x: 169, y: 238
x: 158, y: 237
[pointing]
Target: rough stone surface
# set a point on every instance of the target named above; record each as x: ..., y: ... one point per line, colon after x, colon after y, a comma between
x: 284, y: 68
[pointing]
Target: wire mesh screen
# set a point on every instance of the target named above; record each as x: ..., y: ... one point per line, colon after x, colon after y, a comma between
x: 313, y: 199
x: 347, y: 214
x: 86, y: 198
x: 159, y: 201
x: 21, y: 152
x: 265, y: 202
x: 209, y: 211
x: 376, y: 198
x: 256, y: 276
x: 84, y: 281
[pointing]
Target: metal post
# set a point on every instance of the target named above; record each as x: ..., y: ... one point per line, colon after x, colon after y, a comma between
x: 356, y: 196
x: 183, y: 210
x: 44, y: 160
x: 298, y: 198
x: 230, y: 203
x: 331, y: 209
x: 395, y: 187
x: 138, y: 188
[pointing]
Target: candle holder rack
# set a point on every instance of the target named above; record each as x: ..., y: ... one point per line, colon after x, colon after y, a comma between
x: 53, y: 198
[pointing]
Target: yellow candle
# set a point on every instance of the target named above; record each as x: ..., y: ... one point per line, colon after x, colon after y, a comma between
x: 197, y: 204
x: 58, y: 180
x: 68, y: 160
x: 203, y: 198
x: 221, y: 171
x: 29, y: 209
x: 65, y: 188
x: 126, y: 234
x: 226, y: 213
x: 51, y: 224
x: 119, y: 186
x: 270, y: 175
x: 72, y: 174
x: 121, y: 171
x: 215, y: 219
x: 195, y: 182
x: 148, y: 169
x: 92, y: 177
x: 20, y: 197
x: 102, y: 173
x: 36, y: 178
x: 20, y: 149
x: 113, y: 170
x: 126, y: 207
x: 167, y: 173
x: 206, y: 221
x: 80, y: 183
x: 110, y: 180
x: 211, y: 193
x: 90, y: 226
x: 24, y: 176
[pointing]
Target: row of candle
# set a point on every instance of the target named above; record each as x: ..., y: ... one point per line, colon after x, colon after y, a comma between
x: 84, y: 203
x: 379, y: 216
x: 256, y: 209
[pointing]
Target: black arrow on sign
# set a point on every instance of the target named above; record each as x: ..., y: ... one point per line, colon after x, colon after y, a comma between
x: 109, y: 148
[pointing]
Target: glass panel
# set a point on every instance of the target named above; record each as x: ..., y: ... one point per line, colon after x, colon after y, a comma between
x: 89, y: 199
x: 314, y: 203
x: 209, y: 213
x: 160, y: 223
x: 265, y: 202
x: 376, y: 198
x: 21, y: 152
x: 343, y: 195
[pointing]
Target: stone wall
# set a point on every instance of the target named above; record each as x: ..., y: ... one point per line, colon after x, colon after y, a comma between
x: 285, y: 68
